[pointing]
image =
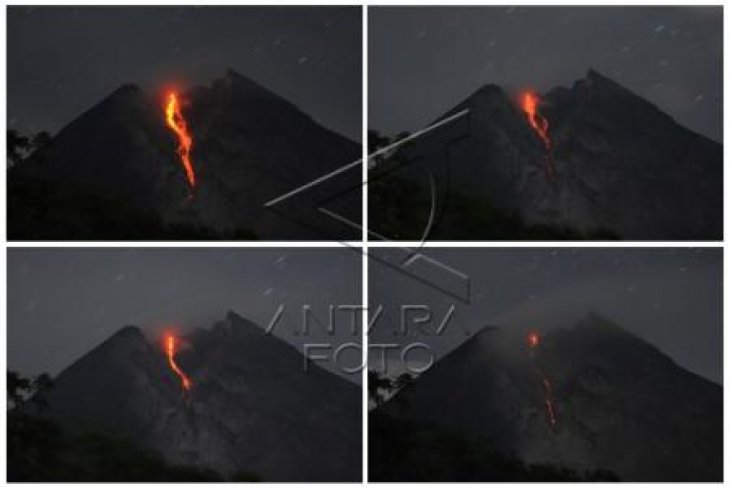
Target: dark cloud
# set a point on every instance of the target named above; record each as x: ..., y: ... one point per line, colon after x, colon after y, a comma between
x: 63, y: 302
x: 63, y: 60
x: 423, y: 61
x: 670, y: 297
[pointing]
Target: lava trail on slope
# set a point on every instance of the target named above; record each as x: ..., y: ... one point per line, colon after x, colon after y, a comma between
x: 171, y: 346
x: 540, y: 125
x: 176, y: 122
x: 533, y: 341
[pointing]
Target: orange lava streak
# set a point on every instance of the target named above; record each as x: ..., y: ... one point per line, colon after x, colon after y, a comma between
x: 176, y: 122
x: 533, y: 340
x: 540, y: 125
x: 171, y: 349
x: 537, y: 121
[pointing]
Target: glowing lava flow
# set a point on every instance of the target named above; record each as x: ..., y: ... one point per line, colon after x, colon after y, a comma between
x: 176, y: 123
x: 540, y: 125
x: 533, y: 340
x: 170, y: 350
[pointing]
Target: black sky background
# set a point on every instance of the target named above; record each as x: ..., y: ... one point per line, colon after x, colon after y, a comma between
x: 64, y: 302
x: 670, y: 297
x: 425, y: 60
x: 64, y: 60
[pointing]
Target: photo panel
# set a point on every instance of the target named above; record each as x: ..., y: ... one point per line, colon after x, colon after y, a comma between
x: 184, y: 365
x: 546, y: 365
x: 184, y: 123
x: 545, y: 123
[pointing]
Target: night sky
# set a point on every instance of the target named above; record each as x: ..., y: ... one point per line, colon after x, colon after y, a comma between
x: 64, y: 302
x: 64, y: 60
x: 671, y: 298
x: 423, y: 61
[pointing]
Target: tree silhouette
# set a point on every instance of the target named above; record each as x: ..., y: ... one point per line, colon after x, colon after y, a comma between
x: 40, y: 385
x: 377, y: 383
x: 22, y: 391
x: 41, y: 451
x: 17, y: 146
x: 18, y: 388
x: 376, y: 140
x: 404, y: 380
x: 40, y: 140
x: 21, y: 148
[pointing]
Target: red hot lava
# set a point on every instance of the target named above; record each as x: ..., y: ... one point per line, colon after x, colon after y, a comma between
x: 533, y: 341
x: 530, y: 102
x: 176, y: 122
x: 171, y: 347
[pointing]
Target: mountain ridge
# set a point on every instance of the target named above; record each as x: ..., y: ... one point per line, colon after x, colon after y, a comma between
x: 251, y: 406
x: 621, y: 405
x: 119, y: 157
x: 617, y: 165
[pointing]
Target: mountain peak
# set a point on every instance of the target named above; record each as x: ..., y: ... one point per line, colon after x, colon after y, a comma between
x: 490, y: 89
x: 234, y: 75
x: 125, y: 93
x: 489, y: 94
x: 595, y: 78
x: 128, y: 331
x: 233, y: 80
x: 234, y: 324
x: 595, y: 329
x: 592, y: 74
x: 128, y: 88
x: 233, y: 316
x: 597, y: 82
x: 128, y: 335
x: 237, y: 321
x: 598, y: 322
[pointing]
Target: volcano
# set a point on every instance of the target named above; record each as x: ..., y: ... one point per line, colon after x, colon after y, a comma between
x: 620, y: 406
x: 115, y: 172
x: 250, y: 406
x: 609, y: 165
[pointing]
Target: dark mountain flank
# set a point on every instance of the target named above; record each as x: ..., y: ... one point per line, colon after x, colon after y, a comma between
x: 114, y: 173
x: 619, y: 405
x: 251, y: 408
x: 617, y: 167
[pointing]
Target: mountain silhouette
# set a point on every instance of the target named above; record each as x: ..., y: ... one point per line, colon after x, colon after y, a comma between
x: 620, y: 405
x: 114, y: 171
x: 251, y: 408
x: 618, y: 167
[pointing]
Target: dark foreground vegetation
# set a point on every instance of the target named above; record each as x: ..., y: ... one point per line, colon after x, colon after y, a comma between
x: 39, y: 450
x: 411, y: 451
x: 40, y: 208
